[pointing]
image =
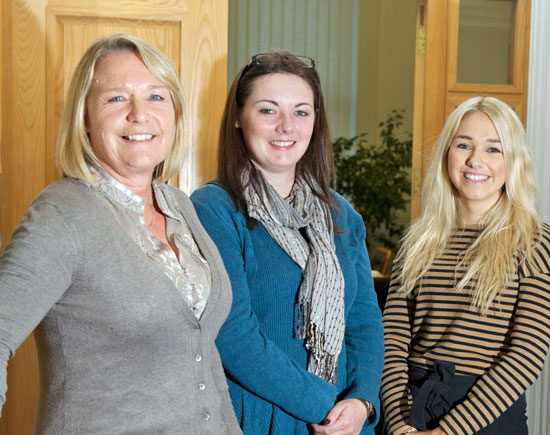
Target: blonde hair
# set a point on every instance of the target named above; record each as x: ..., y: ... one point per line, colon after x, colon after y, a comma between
x: 508, y: 229
x: 73, y: 148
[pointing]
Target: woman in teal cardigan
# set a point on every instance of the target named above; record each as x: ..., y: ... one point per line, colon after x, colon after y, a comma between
x: 303, y: 344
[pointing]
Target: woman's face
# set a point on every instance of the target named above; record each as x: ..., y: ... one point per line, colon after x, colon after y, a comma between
x: 277, y: 123
x: 476, y: 163
x: 130, y: 117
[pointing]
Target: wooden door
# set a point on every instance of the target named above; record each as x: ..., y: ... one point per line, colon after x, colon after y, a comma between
x: 439, y: 87
x: 40, y: 44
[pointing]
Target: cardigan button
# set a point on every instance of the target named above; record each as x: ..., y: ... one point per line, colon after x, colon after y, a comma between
x: 206, y: 416
x: 198, y: 357
x: 202, y: 387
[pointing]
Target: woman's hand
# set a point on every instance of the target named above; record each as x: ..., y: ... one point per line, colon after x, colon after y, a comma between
x: 347, y: 417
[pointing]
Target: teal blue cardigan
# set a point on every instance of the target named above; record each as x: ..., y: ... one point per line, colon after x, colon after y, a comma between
x: 264, y: 360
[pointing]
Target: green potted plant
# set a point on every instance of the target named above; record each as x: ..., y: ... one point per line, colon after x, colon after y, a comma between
x: 375, y: 178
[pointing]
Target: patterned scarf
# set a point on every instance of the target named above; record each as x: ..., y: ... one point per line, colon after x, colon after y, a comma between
x: 321, y: 294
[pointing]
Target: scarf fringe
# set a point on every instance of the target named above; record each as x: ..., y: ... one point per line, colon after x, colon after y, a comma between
x: 321, y: 363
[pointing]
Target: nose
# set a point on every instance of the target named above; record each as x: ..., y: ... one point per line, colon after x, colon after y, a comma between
x: 137, y: 111
x: 475, y: 159
x: 285, y: 124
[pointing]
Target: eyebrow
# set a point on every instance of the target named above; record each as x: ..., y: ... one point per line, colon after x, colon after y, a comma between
x: 462, y: 136
x: 275, y: 103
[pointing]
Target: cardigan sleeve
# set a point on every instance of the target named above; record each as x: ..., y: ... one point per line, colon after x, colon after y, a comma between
x: 35, y: 270
x: 249, y: 357
x: 522, y: 361
x: 364, y: 340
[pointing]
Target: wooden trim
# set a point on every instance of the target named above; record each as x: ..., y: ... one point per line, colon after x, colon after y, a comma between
x: 436, y: 78
x: 520, y: 47
x: 418, y: 107
x: 519, y: 57
x: 205, y: 79
x: 487, y: 88
x: 453, y: 24
x: 429, y: 113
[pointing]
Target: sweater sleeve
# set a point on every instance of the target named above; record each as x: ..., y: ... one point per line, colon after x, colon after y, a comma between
x: 249, y: 358
x: 398, y: 319
x: 364, y: 339
x: 521, y: 362
x: 35, y: 270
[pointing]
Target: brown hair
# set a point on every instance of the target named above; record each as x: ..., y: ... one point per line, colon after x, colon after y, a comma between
x: 316, y: 167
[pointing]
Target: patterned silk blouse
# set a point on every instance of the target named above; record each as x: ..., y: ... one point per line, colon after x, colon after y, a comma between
x: 190, y: 272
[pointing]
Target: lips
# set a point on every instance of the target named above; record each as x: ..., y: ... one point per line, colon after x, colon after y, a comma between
x: 139, y: 137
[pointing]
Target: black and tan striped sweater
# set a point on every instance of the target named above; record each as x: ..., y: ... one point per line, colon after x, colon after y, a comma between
x: 507, y: 347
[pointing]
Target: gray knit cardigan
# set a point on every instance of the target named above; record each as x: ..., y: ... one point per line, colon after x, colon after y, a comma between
x: 119, y: 349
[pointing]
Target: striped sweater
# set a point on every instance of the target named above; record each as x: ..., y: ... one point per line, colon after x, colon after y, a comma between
x: 507, y: 347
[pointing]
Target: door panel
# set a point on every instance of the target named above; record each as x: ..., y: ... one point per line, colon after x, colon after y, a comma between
x: 41, y: 42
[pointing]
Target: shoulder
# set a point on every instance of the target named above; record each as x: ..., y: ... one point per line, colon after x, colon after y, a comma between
x: 61, y: 212
x: 545, y: 235
x: 67, y: 195
x: 211, y: 193
x: 216, y: 211
x: 64, y: 188
x: 214, y: 198
x: 539, y: 262
x: 542, y: 249
x: 345, y: 217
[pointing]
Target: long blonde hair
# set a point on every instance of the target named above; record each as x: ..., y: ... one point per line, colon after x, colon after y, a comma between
x: 73, y: 148
x: 509, y: 228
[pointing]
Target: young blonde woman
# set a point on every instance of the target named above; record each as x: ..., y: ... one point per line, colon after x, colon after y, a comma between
x: 467, y: 317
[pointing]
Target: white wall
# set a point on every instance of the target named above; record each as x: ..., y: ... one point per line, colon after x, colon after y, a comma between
x: 538, y: 132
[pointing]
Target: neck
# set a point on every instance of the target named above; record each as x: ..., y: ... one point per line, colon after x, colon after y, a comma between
x: 282, y: 183
x: 139, y: 183
x: 472, y: 214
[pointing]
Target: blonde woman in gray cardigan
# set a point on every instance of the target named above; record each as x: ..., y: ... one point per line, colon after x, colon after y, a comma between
x: 113, y: 269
